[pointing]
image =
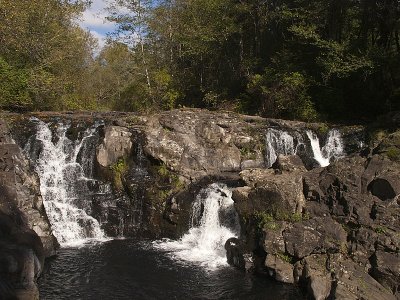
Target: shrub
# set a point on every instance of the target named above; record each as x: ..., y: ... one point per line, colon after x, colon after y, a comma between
x: 119, y: 169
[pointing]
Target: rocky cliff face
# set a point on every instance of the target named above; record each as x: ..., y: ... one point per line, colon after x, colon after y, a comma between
x: 333, y: 230
x: 25, y: 233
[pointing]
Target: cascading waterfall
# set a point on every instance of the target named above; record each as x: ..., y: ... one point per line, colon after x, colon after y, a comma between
x: 214, y: 221
x: 280, y: 142
x: 332, y: 149
x: 63, y: 166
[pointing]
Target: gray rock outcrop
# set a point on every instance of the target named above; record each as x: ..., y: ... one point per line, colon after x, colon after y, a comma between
x: 333, y: 230
x: 25, y: 233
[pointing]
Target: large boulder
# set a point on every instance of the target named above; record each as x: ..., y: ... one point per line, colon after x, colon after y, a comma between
x: 270, y: 192
x: 237, y: 254
x: 312, y: 273
x: 24, y: 227
x: 390, y: 146
x: 21, y: 187
x: 352, y: 281
x: 198, y: 143
x: 272, y: 240
x: 386, y: 270
x: 279, y: 269
x: 334, y: 276
x: 318, y: 235
x: 116, y: 144
x: 289, y: 163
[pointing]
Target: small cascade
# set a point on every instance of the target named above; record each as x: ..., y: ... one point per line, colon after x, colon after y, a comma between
x: 214, y: 221
x: 64, y: 168
x: 332, y: 149
x: 280, y: 142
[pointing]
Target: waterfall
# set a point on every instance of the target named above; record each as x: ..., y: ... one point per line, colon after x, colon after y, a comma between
x: 214, y: 221
x: 332, y: 149
x: 280, y: 142
x: 63, y: 166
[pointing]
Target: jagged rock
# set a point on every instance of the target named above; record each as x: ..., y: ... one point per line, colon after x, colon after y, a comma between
x: 198, y: 143
x: 350, y: 207
x: 21, y: 188
x: 280, y: 270
x: 24, y: 227
x: 273, y: 241
x: 386, y: 270
x: 237, y: 255
x: 338, y: 189
x: 116, y: 144
x: 390, y: 146
x: 312, y: 272
x: 318, y: 235
x: 362, y: 244
x: 270, y: 192
x: 385, y: 187
x: 289, y: 163
x: 337, y: 277
x: 353, y: 282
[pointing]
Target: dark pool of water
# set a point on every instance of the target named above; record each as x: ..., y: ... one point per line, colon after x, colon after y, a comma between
x: 127, y: 269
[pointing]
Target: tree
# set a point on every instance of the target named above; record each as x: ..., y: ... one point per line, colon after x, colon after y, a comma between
x: 40, y: 40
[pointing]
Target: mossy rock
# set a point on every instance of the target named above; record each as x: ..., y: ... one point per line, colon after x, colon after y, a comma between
x: 118, y: 171
x: 390, y: 146
x: 393, y: 153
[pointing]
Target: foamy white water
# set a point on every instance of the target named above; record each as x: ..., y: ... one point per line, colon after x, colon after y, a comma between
x: 333, y: 147
x: 59, y: 173
x: 280, y: 142
x: 204, y: 243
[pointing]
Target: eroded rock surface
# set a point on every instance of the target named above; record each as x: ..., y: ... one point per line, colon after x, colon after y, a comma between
x: 333, y: 230
x: 25, y: 233
x: 201, y: 143
x: 115, y: 145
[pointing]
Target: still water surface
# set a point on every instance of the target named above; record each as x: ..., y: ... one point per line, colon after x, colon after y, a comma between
x: 128, y: 269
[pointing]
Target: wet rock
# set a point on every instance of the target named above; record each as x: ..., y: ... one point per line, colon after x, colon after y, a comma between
x: 238, y: 256
x: 116, y: 144
x: 21, y: 188
x: 21, y: 257
x: 25, y: 234
x: 318, y: 217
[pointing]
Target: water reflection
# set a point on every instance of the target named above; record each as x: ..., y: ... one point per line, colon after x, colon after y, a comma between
x: 126, y: 269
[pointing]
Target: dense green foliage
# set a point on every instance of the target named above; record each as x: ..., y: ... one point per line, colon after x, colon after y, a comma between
x: 44, y: 55
x: 300, y: 59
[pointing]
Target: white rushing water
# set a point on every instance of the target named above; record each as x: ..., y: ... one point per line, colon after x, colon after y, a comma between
x: 204, y: 243
x: 61, y: 175
x: 280, y: 142
x: 332, y: 149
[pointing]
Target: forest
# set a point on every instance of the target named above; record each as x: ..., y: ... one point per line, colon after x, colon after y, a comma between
x: 295, y: 59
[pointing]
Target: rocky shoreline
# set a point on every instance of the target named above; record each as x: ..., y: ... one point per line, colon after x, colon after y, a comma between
x: 333, y: 231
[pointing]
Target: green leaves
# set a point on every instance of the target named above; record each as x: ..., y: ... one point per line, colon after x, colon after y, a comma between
x: 45, y: 55
x: 13, y: 86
